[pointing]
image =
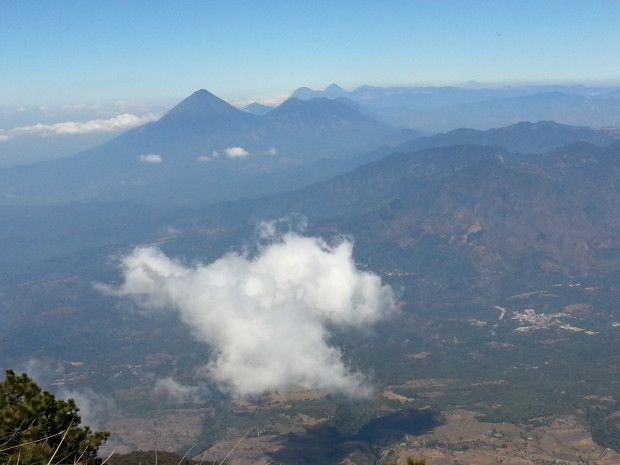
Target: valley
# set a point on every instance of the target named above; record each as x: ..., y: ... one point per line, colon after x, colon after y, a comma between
x: 494, y: 255
x: 309, y: 233
x: 495, y: 390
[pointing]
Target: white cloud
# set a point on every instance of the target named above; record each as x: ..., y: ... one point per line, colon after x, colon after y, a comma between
x: 204, y: 158
x: 43, y: 371
x: 151, y: 158
x: 116, y: 123
x: 94, y: 408
x: 271, y: 101
x: 272, y: 151
x: 273, y: 229
x: 4, y: 137
x: 267, y: 229
x: 268, y: 318
x: 81, y: 107
x: 236, y: 152
x: 177, y: 392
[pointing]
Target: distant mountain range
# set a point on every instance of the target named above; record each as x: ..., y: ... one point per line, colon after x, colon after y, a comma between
x: 205, y: 151
x: 526, y: 200
x: 346, y: 188
x: 438, y: 109
x: 469, y: 212
x: 500, y: 223
x: 450, y: 223
x: 471, y: 219
x: 384, y: 174
x: 462, y: 224
x: 202, y: 151
x: 524, y: 137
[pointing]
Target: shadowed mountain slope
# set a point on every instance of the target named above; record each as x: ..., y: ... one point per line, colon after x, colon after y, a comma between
x: 524, y: 137
x: 499, y: 226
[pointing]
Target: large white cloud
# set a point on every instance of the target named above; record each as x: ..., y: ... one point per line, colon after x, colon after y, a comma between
x: 116, y: 123
x: 267, y: 317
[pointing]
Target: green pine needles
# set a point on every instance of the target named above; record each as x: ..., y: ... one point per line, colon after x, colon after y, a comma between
x: 38, y: 429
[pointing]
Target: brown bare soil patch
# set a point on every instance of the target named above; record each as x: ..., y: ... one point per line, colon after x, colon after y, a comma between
x: 388, y: 394
x: 419, y: 355
x: 499, y: 345
x: 292, y: 395
x: 463, y: 439
x: 166, y: 430
x: 607, y: 399
x: 496, y: 382
x: 577, y: 308
x: 427, y: 383
x: 251, y: 451
x: 527, y: 295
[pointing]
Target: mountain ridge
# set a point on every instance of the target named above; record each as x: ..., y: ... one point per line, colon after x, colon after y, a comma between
x: 202, y: 102
x: 440, y: 109
x: 203, y: 150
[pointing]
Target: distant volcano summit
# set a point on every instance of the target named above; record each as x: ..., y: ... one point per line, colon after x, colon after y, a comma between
x: 203, y: 103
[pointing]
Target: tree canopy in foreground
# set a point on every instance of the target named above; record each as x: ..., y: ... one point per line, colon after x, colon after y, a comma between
x: 36, y: 428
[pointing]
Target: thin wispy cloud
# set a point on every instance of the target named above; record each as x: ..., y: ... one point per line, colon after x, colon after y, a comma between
x: 207, y: 158
x: 116, y: 123
x: 94, y: 407
x: 267, y: 100
x: 177, y: 392
x: 81, y: 107
x: 151, y: 158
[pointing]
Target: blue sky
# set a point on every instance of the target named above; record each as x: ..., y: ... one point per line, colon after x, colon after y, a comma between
x: 97, y: 51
